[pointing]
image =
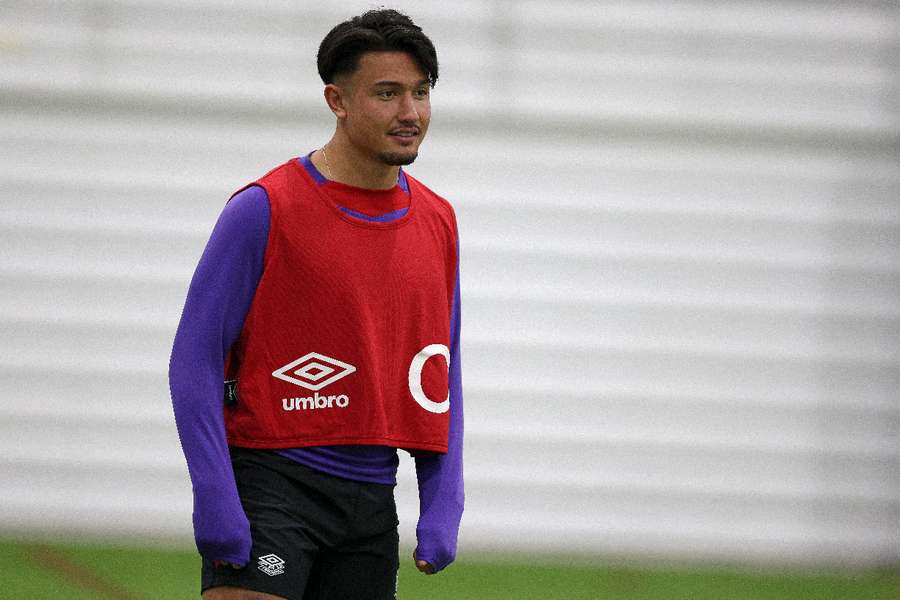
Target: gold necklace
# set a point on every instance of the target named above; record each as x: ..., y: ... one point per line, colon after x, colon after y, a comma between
x: 327, y: 166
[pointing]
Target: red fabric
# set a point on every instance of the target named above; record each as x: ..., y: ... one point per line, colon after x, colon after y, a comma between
x: 369, y: 294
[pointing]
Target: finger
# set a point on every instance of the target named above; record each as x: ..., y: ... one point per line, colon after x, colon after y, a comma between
x: 425, y: 567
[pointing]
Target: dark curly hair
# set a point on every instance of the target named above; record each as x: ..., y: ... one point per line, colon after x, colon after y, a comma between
x: 374, y: 31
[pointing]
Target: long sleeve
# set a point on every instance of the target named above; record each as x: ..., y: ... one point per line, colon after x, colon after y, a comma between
x: 440, y: 476
x: 218, y: 300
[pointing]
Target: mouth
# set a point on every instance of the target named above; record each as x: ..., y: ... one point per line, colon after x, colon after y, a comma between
x: 405, y: 135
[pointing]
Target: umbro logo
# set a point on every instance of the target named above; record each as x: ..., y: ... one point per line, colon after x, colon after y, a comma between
x: 314, y: 371
x: 271, y: 565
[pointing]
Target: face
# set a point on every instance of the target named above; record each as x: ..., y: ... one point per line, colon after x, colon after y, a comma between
x: 385, y: 107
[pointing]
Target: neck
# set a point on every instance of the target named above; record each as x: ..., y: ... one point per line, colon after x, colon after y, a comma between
x: 341, y: 162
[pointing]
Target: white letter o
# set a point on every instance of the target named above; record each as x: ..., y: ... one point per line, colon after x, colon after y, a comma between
x: 415, y: 378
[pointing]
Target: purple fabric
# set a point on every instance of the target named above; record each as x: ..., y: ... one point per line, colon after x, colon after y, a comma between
x: 219, y: 297
x: 440, y: 476
x: 210, y: 323
x: 390, y: 216
x: 312, y: 170
x: 373, y: 464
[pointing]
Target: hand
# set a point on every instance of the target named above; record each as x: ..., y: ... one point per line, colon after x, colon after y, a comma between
x: 423, y: 566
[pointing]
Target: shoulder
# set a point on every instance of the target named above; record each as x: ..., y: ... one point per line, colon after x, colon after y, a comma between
x: 283, y: 179
x: 248, y: 205
x: 244, y: 221
x: 283, y: 170
x: 281, y: 185
x: 433, y: 201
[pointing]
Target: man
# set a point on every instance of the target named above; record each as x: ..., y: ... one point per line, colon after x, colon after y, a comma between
x: 328, y: 297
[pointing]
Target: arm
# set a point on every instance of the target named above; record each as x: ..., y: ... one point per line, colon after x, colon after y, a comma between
x: 440, y: 476
x: 219, y: 297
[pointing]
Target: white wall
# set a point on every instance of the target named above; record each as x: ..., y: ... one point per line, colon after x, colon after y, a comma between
x: 680, y: 238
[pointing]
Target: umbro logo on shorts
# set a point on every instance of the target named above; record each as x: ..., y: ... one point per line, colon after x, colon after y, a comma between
x: 314, y: 371
x: 271, y: 565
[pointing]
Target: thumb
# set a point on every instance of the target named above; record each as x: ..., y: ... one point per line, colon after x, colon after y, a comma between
x: 423, y: 566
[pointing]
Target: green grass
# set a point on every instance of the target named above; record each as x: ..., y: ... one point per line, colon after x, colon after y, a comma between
x: 37, y: 572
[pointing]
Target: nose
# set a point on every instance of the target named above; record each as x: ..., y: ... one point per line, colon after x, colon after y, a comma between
x: 407, y: 110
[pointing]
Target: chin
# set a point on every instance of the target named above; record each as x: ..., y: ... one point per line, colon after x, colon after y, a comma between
x: 399, y: 159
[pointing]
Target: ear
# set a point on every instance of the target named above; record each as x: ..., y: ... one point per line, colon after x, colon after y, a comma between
x: 335, y: 97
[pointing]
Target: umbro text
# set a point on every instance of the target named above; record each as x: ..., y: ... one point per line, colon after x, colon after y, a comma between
x: 315, y: 401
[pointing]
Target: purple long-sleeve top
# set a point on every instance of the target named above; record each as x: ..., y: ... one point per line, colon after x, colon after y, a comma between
x: 218, y: 300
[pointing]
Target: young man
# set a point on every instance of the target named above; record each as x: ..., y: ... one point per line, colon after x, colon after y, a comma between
x: 328, y: 297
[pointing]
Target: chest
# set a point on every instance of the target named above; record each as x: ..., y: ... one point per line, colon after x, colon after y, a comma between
x: 380, y: 271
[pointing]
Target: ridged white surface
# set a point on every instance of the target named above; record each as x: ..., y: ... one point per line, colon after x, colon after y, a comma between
x: 681, y: 260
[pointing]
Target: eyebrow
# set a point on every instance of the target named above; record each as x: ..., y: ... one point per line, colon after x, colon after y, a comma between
x: 398, y: 84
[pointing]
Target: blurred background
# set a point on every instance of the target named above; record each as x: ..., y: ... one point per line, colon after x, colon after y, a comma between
x: 680, y: 229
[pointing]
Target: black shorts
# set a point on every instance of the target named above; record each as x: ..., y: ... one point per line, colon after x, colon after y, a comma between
x: 315, y: 536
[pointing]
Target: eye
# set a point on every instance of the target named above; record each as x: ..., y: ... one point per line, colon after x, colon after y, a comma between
x: 422, y: 92
x: 386, y: 94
